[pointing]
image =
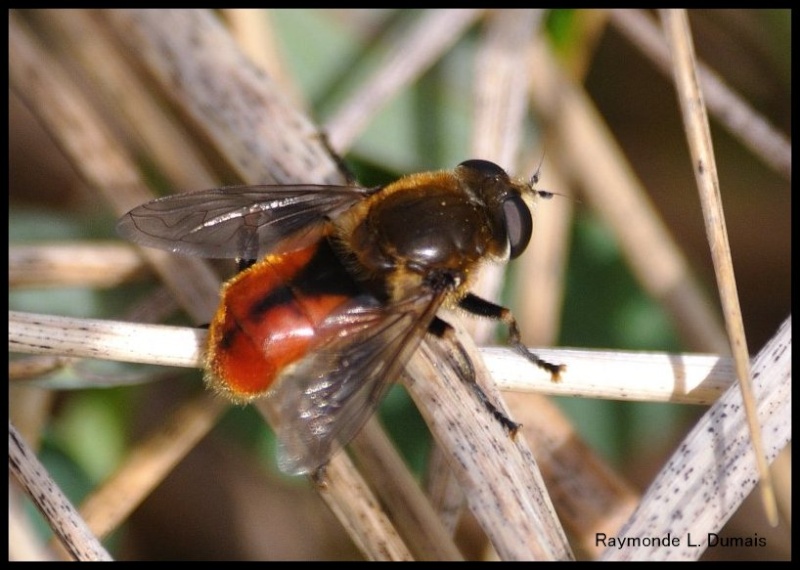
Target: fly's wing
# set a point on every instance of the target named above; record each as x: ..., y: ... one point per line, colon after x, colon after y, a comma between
x: 326, y: 398
x: 240, y: 221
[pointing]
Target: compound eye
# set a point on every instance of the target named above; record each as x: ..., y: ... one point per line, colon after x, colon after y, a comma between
x: 484, y: 167
x: 519, y: 224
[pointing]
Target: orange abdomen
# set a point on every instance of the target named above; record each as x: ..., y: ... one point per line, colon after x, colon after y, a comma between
x: 269, y: 318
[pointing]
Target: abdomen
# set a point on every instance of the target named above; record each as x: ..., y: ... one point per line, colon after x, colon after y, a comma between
x: 269, y: 318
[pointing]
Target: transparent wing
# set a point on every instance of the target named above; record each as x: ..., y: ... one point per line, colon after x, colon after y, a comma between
x: 327, y: 397
x: 240, y: 221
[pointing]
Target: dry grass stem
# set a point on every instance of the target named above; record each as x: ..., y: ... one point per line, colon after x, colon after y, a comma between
x: 249, y: 121
x: 499, y: 111
x: 589, y: 496
x: 253, y: 31
x: 411, y: 53
x: 713, y: 470
x: 500, y: 107
x: 609, y: 184
x: 724, y: 104
x: 404, y: 501
x: 679, y: 378
x: 54, y: 506
x: 698, y: 134
x: 347, y: 494
x: 149, y: 462
x: 83, y: 135
x: 518, y: 517
x: 148, y: 126
x: 69, y: 265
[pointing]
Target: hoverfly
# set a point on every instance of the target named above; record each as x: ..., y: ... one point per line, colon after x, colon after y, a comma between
x: 347, y: 283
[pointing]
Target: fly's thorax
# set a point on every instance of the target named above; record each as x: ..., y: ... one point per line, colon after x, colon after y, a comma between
x: 422, y: 224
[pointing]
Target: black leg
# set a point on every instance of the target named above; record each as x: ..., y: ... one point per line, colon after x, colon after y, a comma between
x: 441, y: 329
x: 483, y: 308
x: 344, y: 170
x: 242, y: 264
x: 320, y: 476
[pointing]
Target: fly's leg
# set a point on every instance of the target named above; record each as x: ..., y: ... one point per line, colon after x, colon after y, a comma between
x: 344, y: 170
x: 483, y: 308
x: 319, y: 476
x: 242, y: 264
x: 463, y: 365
